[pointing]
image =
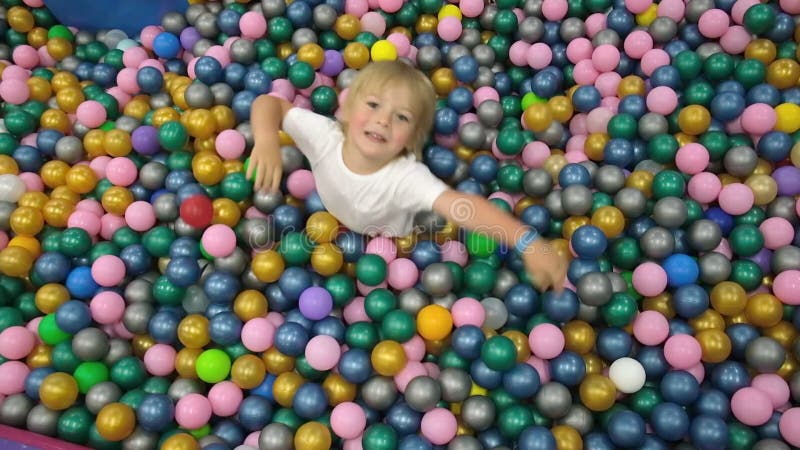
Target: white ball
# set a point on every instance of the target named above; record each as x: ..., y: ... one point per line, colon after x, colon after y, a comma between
x: 11, y: 188
x: 627, y: 374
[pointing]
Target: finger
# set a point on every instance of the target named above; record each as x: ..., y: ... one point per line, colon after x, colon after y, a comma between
x: 276, y: 181
x: 259, y: 178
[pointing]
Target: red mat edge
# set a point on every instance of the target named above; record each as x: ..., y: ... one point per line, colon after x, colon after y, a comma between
x: 37, y: 440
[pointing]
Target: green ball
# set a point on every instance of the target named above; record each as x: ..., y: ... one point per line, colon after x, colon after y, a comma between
x: 509, y: 178
x: 502, y: 399
x: 366, y: 38
x: 510, y: 141
x: 512, y: 104
x: 173, y: 136
x: 759, y: 19
x: 689, y: 65
x: 662, y: 148
x: 98, y: 442
x: 90, y: 373
x: 102, y: 249
x: 13, y: 286
x: 501, y: 44
x: 166, y: 293
x: 718, y: 67
x: 741, y: 140
x: 74, y: 423
x: 600, y: 199
x: 597, y: 6
x: 746, y: 240
x: 15, y: 38
x: 408, y: 14
x: 329, y: 40
x: 51, y: 242
x: 133, y: 398
x: 158, y: 240
x: 363, y: 335
x: 644, y: 401
x: 430, y: 6
x: 34, y: 108
x: 274, y: 67
x: 114, y: 59
x: 379, y: 303
x: 64, y: 359
x: 306, y: 371
x: 458, y: 275
x: 20, y: 123
x: 60, y: 31
x: 620, y: 310
x: 699, y: 92
x: 480, y: 244
x: 746, y: 273
x: 750, y: 72
x: 450, y: 358
x: 179, y: 160
x: 301, y: 74
x: 213, y: 365
x: 157, y: 385
x: 754, y: 216
x: 505, y: 22
x: 371, y: 269
x: 324, y: 100
x: 126, y: 236
x: 342, y: 288
x: 128, y: 372
x: 787, y: 49
x: 102, y: 186
x: 8, y: 143
x: 479, y: 277
x: 295, y: 248
x: 95, y: 51
x: 741, y: 437
x: 10, y: 317
x: 668, y: 183
x: 379, y: 437
x: 26, y: 304
x: 694, y: 211
x: 623, y: 126
x: 717, y: 143
x: 236, y: 186
x: 514, y: 420
x: 236, y: 350
x: 499, y: 353
x: 398, y: 325
x: 280, y: 29
x: 49, y: 331
x: 288, y: 417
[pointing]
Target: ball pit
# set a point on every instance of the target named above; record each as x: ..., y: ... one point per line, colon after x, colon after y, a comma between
x: 150, y: 299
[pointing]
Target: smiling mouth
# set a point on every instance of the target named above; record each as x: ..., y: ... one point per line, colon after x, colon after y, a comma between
x: 375, y: 137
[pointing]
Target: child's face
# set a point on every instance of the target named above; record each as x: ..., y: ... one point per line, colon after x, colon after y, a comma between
x: 381, y: 124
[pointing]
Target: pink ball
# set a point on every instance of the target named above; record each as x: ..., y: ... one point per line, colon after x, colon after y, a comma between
x: 607, y: 83
x: 736, y: 198
x: 33, y: 182
x: 449, y: 28
x: 751, y: 406
x: 15, y: 73
x: 518, y: 52
x: 12, y: 377
x: 230, y: 144
x: 682, y: 351
x: 140, y: 216
x: 637, y: 43
x: 638, y: 6
x: 108, y: 270
x: 483, y: 94
x: 605, y: 58
x: 91, y: 113
x: 134, y: 56
x: 786, y: 286
x: 400, y: 40
x: 790, y: 6
x: 107, y: 307
x: 412, y: 369
x: 535, y: 153
x: 109, y: 224
x: 439, y: 425
x: 34, y: 3
x: 704, y: 187
x: 25, y: 56
x: 92, y: 206
x: 774, y: 387
x: 356, y: 7
x: 777, y: 232
x: 148, y: 35
x: 348, y: 420
x: 414, y: 348
x: 300, y: 183
x: 16, y: 342
x: 355, y: 312
x: 650, y: 328
x: 789, y: 426
x: 14, y: 91
x: 713, y: 23
x: 390, y: 6
x: 454, y: 251
x: 258, y: 334
x: 692, y: 158
x: 374, y: 23
x: 3, y: 240
x: 759, y: 118
x: 193, y: 411
x: 219, y: 53
x: 219, y: 240
x: 539, y: 55
x: 471, y: 8
x: 584, y: 72
x: 554, y: 10
x: 662, y: 100
x: 597, y: 120
x: 402, y: 274
x: 468, y: 311
x: 654, y: 59
x: 542, y: 368
x: 99, y: 165
x: 546, y: 341
x: 740, y: 8
x: 579, y: 49
x: 323, y: 352
x: 594, y: 24
x: 383, y: 247
x: 698, y: 371
x: 674, y: 9
x: 126, y: 80
x: 649, y: 279
x: 160, y: 360
x: 121, y: 172
x: 225, y: 398
x: 253, y: 25
x: 85, y: 220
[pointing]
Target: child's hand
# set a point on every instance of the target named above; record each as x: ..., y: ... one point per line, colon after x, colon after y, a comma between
x: 266, y: 166
x: 547, y: 268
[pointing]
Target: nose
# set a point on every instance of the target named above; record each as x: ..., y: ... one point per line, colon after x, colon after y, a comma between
x: 382, y: 117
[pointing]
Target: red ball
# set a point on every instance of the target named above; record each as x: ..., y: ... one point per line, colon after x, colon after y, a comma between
x: 197, y: 211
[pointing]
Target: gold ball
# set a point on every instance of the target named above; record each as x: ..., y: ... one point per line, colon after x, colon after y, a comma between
x: 180, y: 441
x: 579, y: 337
x: 764, y: 188
x: 268, y: 266
x: 58, y: 391
x: 661, y: 303
x: 193, y: 331
x: 715, y: 344
x: 250, y: 304
x: 248, y: 371
x: 567, y: 438
x: 388, y: 358
x: 597, y: 392
x: 185, y: 362
x: 728, y: 298
x: 641, y: 180
x: 327, y: 259
x: 594, y: 363
x: 115, y: 421
x: 50, y: 296
x: 285, y: 386
x: 763, y: 310
x: 312, y: 436
x: 276, y: 362
x: 521, y: 343
x: 444, y: 80
x: 708, y: 320
x: 338, y: 389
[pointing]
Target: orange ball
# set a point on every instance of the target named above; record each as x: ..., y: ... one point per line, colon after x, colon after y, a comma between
x: 312, y: 54
x: 434, y: 322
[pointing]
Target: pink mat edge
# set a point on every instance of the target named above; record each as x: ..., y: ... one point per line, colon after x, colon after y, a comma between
x: 38, y: 440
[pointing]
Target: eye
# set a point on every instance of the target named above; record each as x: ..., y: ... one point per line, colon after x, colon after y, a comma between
x: 372, y: 104
x: 403, y: 118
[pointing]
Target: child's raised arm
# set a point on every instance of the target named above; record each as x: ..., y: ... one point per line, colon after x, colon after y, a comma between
x: 477, y: 214
x: 266, y: 117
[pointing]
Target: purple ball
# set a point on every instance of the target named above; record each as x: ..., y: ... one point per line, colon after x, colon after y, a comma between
x: 764, y: 259
x: 189, y: 37
x: 315, y: 303
x: 788, y: 179
x: 144, y: 140
x: 333, y: 63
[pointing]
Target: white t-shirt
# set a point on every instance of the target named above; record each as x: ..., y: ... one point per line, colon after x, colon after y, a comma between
x: 381, y: 203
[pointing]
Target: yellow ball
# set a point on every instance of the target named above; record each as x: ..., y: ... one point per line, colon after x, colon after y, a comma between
x: 388, y: 358
x: 631, y: 85
x: 783, y: 73
x: 248, y: 371
x: 327, y: 259
x: 26, y: 220
x: 15, y: 262
x: 58, y: 391
x: 444, y: 80
x: 434, y: 322
x: 200, y: 123
x: 69, y: 98
x: 521, y: 344
x: 597, y: 392
x: 383, y: 50
x: 594, y: 146
x: 610, y: 220
x: 115, y: 422
x: 63, y: 80
x: 788, y: 117
x: 250, y: 304
x: 561, y: 107
x: 268, y: 266
x: 764, y: 188
x: 728, y: 298
x: 449, y: 11
x: 312, y: 436
x: 694, y: 120
x: 646, y: 18
x: 193, y: 331
x: 763, y: 50
x: 93, y: 143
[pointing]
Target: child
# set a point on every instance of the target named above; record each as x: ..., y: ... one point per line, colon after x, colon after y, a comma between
x: 367, y: 168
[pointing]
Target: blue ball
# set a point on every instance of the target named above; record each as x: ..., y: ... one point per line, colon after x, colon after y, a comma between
x: 484, y: 376
x: 579, y: 267
x: 73, y: 316
x: 426, y: 253
x: 291, y: 339
x: 675, y: 47
x: 775, y: 146
x: 276, y: 299
x: 467, y: 341
x: 690, y: 33
x: 653, y: 443
x: 265, y: 388
x: 721, y: 218
x: 188, y: 190
x: 221, y: 287
x: 483, y: 168
x: 791, y: 95
x: 522, y: 300
x: 234, y: 74
x: 445, y: 121
x: 465, y: 69
x: 229, y: 431
x: 680, y: 387
x: 613, y: 343
x: 690, y: 301
x: 414, y: 442
x: 471, y: 186
x: 136, y: 259
x: 666, y: 76
x: 626, y: 429
x: 355, y: 366
x: 670, y: 421
x: 310, y: 401
x: 536, y: 438
x: 81, y: 284
x: 28, y: 158
x: 771, y: 430
x: 330, y: 326
x: 185, y: 247
x: 84, y: 71
x: 709, y: 432
x: 538, y: 217
x: 255, y: 413
x: 679, y: 326
x: 287, y: 218
x: 598, y: 441
x: 782, y: 29
x: 242, y: 104
x: 522, y: 381
x: 182, y: 271
x: 293, y: 281
x: 589, y: 242
x: 560, y: 307
x: 104, y: 75
x: 52, y: 267
x: 140, y: 193
x: 568, y: 368
x: 352, y: 244
x: 208, y: 70
x: 545, y: 84
x: 300, y: 14
x: 621, y: 21
x: 574, y: 174
x: 225, y: 328
x: 492, y: 438
x: 155, y: 412
x: 619, y: 152
x: 166, y: 45
x: 742, y: 334
x: 296, y: 316
x: 460, y: 99
x: 176, y: 66
x: 551, y: 33
x: 150, y: 80
x: 764, y: 93
x: 730, y: 376
x: 713, y: 402
x: 47, y: 139
x: 586, y: 98
x: 176, y: 179
x: 633, y: 105
x: 653, y: 361
x: 403, y: 419
x: 681, y: 270
x: 257, y: 81
x: 34, y: 380
x: 502, y: 83
x: 313, y: 203
x: 726, y: 106
x: 441, y: 161
x: 163, y: 326
x: 228, y: 22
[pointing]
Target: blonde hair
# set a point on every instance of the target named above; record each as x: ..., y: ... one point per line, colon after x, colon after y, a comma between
x: 377, y: 75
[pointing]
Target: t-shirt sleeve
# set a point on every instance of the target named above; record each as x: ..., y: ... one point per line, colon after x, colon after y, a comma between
x: 311, y: 132
x: 418, y: 188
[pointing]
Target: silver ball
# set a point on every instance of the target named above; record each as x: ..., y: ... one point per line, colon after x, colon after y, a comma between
x: 472, y: 135
x: 198, y: 95
x: 594, y: 289
x: 506, y: 279
x: 657, y: 243
x: 90, y: 344
x: 266, y: 201
x: 588, y: 314
x: 707, y: 49
x: 714, y: 268
x: 182, y: 387
x: 765, y: 355
x: 531, y: 29
x: 194, y: 11
x: 651, y: 125
x: 101, y: 394
x: 140, y: 440
x: 195, y: 301
x: 423, y: 393
x: 553, y: 135
x: 576, y: 199
x: 137, y: 316
x: 276, y: 436
x: 234, y: 263
x: 127, y: 123
x: 324, y: 16
x: 770, y: 444
x: 83, y: 37
x: 537, y: 183
x: 14, y: 410
x: 69, y: 149
x: 273, y: 8
x: 445, y: 301
x: 491, y: 136
x: 428, y: 223
x: 478, y: 412
x: 631, y: 202
x: 496, y: 313
x: 490, y: 113
x: 590, y: 167
x: 429, y: 57
x: 210, y: 439
x: 174, y: 22
x: 696, y: 8
x: 579, y: 418
x: 379, y: 393
x: 670, y: 212
x: 243, y: 51
x: 70, y: 63
x: 471, y: 38
x: 245, y: 128
x: 183, y: 229
x: 201, y: 46
x: 740, y: 161
x: 412, y: 300
x: 6, y: 209
x: 79, y: 129
x: 794, y: 386
x: 454, y: 52
x: 553, y: 400
x: 139, y: 290
x: 606, y: 36
x: 152, y: 175
x: 437, y: 279
x: 455, y: 384
x: 554, y: 205
x: 487, y: 17
x: 166, y: 207
x: 250, y: 281
x: 206, y: 25
x: 303, y: 36
x: 117, y: 349
x: 663, y: 29
x: 485, y: 75
x: 291, y: 158
x: 571, y: 28
x: 783, y: 206
x: 704, y: 235
x: 609, y: 179
x: 160, y: 100
x: 43, y: 420
x: 532, y: 8
x: 464, y: 442
x: 618, y: 284
x: 257, y: 233
x: 785, y: 258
